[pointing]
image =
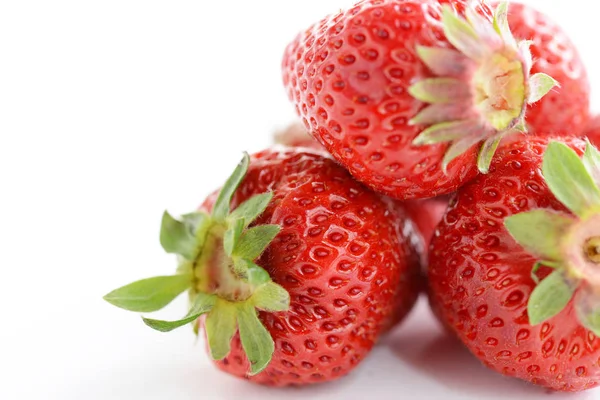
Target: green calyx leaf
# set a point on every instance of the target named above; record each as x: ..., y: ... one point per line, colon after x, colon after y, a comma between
x: 149, y: 295
x: 540, y: 232
x: 221, y: 207
x: 440, y: 90
x: 486, y: 153
x: 271, y: 297
x: 202, y: 304
x: 461, y: 34
x: 232, y: 236
x: 591, y: 161
x: 587, y: 307
x: 501, y: 24
x: 255, y: 240
x: 446, y: 132
x: 220, y: 326
x: 549, y: 298
x: 539, y: 86
x: 179, y: 237
x: 457, y: 149
x: 250, y: 272
x: 569, y: 180
x: 256, y: 340
x: 252, y: 208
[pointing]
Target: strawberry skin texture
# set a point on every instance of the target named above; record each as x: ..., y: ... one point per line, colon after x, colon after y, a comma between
x: 348, y: 77
x: 346, y: 256
x: 480, y: 278
x: 564, y: 110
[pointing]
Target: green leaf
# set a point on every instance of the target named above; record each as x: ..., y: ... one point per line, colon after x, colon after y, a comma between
x: 221, y: 207
x: 439, y: 90
x: 591, y: 161
x: 176, y: 238
x: 150, y: 294
x: 462, y: 35
x: 568, y: 179
x: 443, y: 61
x: 587, y: 307
x: 251, y: 209
x: 232, y: 235
x: 549, y: 298
x: 457, y: 149
x: 540, y: 264
x: 501, y: 24
x: 487, y: 152
x: 539, y: 86
x: 271, y: 297
x: 446, y: 132
x: 256, y: 340
x: 220, y: 327
x: 255, y: 240
x: 540, y: 232
x: 250, y: 272
x: 203, y: 303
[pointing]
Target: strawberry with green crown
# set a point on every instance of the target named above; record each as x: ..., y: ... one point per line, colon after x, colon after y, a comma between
x: 515, y: 264
x: 293, y: 270
x: 413, y: 96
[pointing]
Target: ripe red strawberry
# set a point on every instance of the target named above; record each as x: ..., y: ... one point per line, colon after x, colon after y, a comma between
x: 592, y: 131
x: 403, y: 92
x: 564, y: 110
x: 532, y: 218
x: 298, y: 281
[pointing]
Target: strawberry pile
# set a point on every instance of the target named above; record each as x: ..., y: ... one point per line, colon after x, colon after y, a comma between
x: 444, y: 146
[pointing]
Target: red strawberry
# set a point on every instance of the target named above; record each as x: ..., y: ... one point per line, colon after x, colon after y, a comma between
x: 564, y: 110
x: 592, y: 131
x: 403, y: 92
x: 298, y: 281
x: 532, y: 218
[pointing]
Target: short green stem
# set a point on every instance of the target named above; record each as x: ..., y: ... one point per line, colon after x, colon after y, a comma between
x: 213, y: 270
x: 592, y: 249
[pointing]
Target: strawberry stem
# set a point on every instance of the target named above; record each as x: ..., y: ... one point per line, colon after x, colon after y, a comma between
x: 592, y: 249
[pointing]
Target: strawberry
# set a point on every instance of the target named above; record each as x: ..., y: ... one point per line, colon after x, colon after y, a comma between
x: 298, y: 281
x: 514, y: 264
x: 403, y: 92
x: 592, y: 131
x: 564, y: 110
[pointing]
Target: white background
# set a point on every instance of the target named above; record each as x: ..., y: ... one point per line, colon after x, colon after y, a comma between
x: 112, y: 111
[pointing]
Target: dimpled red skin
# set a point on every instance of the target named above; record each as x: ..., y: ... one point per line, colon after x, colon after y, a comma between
x: 346, y: 257
x: 564, y: 110
x: 480, y: 278
x: 348, y: 77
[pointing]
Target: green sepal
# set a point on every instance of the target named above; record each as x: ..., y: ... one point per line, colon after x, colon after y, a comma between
x: 462, y: 35
x: 176, y: 237
x: 591, y: 161
x: 486, y: 153
x: 149, y: 295
x: 587, y: 308
x: 501, y: 24
x: 539, y: 264
x: 271, y: 297
x: 549, y: 298
x: 443, y: 61
x: 439, y: 90
x: 232, y: 235
x: 202, y: 304
x: 457, y: 149
x: 445, y: 132
x: 220, y: 326
x: 255, y: 240
x: 251, y: 209
x: 256, y: 340
x: 540, y: 85
x: 568, y: 179
x: 540, y: 232
x: 221, y: 207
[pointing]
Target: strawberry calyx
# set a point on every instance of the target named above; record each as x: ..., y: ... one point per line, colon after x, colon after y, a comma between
x: 216, y: 256
x: 482, y: 87
x: 567, y: 243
